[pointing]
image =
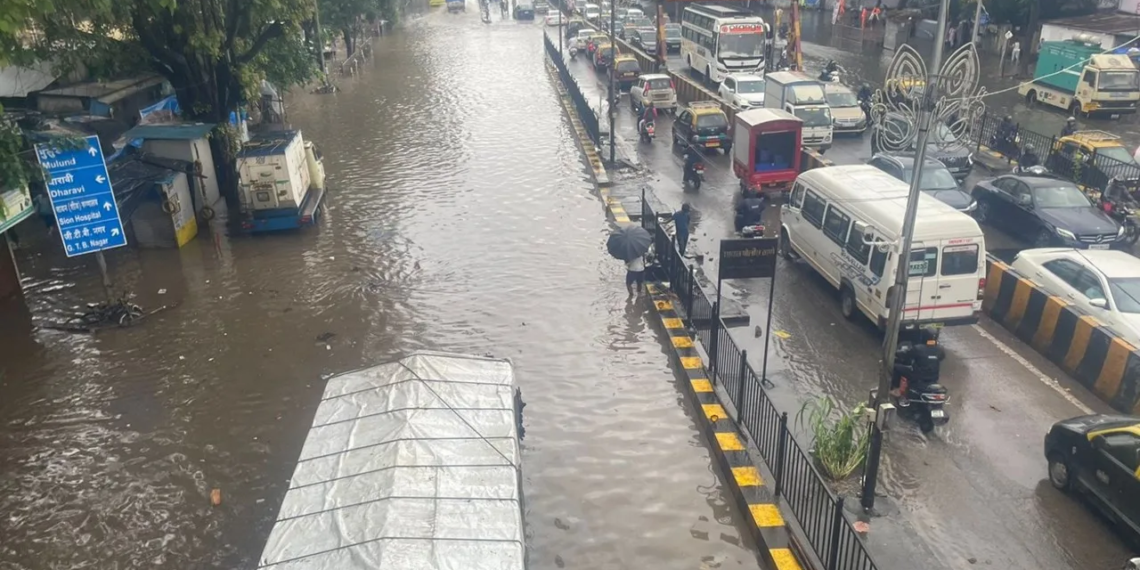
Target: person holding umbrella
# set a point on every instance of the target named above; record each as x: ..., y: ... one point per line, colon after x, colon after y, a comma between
x: 630, y: 243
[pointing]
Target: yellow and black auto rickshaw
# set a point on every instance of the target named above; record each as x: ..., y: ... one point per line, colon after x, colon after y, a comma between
x: 626, y: 70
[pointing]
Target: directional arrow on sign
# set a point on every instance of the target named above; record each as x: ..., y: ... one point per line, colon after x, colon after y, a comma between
x: 114, y: 232
x: 107, y: 206
x: 99, y: 178
x: 91, y: 150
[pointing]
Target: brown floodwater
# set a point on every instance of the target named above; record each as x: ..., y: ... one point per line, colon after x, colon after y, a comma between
x: 460, y: 217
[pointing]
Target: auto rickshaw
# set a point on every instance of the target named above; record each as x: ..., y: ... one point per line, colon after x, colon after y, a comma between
x: 592, y: 43
x: 626, y: 70
x: 604, y: 55
x: 1091, y: 159
x: 702, y: 124
x: 767, y: 155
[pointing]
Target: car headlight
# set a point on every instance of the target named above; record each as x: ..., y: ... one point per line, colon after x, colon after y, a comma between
x: 973, y: 206
x: 1120, y: 231
x: 1066, y: 234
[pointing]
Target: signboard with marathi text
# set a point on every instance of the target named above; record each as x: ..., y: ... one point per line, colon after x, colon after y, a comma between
x: 747, y: 258
x: 81, y: 197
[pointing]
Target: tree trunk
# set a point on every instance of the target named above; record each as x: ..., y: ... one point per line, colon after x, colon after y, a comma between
x: 349, y: 42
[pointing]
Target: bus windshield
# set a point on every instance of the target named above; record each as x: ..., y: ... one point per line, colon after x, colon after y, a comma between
x: 744, y: 46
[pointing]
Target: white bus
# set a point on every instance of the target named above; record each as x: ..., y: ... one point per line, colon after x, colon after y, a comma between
x: 835, y: 214
x: 717, y: 41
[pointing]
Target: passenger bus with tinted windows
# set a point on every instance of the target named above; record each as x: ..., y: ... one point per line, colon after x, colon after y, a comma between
x: 717, y: 41
x: 845, y: 221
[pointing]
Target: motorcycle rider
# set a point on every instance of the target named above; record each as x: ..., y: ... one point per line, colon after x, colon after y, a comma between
x: 830, y: 72
x: 648, y: 115
x: 692, y: 159
x: 1028, y: 158
x: 1070, y: 127
x: 918, y: 363
x: 865, y: 92
x: 750, y: 211
x: 1006, y: 134
x: 1115, y: 198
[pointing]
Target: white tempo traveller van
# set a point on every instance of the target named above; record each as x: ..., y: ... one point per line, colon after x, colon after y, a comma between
x: 845, y: 222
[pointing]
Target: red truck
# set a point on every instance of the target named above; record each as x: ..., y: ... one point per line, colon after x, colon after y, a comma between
x: 766, y: 150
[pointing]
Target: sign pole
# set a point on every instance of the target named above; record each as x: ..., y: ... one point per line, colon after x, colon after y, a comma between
x: 768, y: 326
x: 108, y: 287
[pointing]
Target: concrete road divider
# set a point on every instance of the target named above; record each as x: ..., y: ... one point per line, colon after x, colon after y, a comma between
x: 1072, y: 339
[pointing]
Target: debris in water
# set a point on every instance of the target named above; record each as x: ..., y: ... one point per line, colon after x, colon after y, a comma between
x: 162, y: 291
x: 181, y: 357
x: 325, y: 336
x: 216, y: 497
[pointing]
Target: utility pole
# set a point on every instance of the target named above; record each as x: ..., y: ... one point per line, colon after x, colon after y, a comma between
x: 796, y: 35
x: 320, y: 40
x: 977, y: 23
x: 661, y: 47
x: 613, y: 103
x: 902, y: 274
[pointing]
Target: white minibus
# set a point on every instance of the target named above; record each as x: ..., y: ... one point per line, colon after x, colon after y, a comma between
x: 845, y: 222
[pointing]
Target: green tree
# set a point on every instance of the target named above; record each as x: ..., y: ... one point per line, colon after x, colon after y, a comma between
x: 213, y: 52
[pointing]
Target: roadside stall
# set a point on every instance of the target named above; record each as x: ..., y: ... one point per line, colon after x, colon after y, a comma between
x: 410, y: 464
x: 766, y: 153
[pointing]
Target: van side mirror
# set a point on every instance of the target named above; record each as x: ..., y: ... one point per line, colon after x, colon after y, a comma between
x: 1098, y: 303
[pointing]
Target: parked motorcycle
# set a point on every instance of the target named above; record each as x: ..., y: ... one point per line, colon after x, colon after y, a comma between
x: 647, y: 130
x: 753, y: 231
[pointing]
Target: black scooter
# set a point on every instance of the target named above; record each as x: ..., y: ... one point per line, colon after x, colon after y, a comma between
x: 694, y: 175
x: 925, y: 403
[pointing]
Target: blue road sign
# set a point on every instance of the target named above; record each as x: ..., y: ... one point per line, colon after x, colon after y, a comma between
x: 81, y: 198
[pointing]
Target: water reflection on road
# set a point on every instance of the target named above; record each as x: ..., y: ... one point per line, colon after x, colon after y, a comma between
x: 459, y: 218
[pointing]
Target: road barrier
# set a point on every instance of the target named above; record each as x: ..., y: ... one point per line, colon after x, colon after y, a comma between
x: 796, y: 482
x: 1072, y: 339
x: 587, y: 114
x: 1093, y: 171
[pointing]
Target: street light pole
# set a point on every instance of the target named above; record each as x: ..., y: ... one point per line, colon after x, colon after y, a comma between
x: 977, y: 22
x: 902, y: 274
x: 560, y: 33
x: 613, y: 103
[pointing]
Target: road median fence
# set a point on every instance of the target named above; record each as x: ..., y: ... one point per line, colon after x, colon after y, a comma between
x: 1072, y: 339
x: 1063, y: 158
x: 797, y: 483
x: 586, y: 114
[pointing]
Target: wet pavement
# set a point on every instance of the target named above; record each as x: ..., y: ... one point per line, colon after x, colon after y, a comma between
x: 975, y: 493
x: 460, y: 217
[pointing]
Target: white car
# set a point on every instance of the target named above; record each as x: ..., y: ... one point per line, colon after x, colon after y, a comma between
x: 591, y: 12
x: 653, y: 89
x: 634, y: 13
x: 744, y: 91
x: 1101, y: 283
x: 583, y: 37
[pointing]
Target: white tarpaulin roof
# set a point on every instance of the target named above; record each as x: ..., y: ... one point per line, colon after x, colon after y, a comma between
x: 410, y: 465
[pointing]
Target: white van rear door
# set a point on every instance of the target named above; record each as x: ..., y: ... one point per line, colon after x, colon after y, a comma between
x: 960, y: 272
x: 922, y: 288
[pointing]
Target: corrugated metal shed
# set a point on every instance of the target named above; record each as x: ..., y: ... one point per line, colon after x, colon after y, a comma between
x: 177, y: 132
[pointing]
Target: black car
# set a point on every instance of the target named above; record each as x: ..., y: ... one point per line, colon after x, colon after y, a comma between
x: 1098, y: 457
x: 644, y: 39
x: 936, y: 181
x: 673, y: 38
x: 942, y: 144
x: 1047, y: 211
x: 524, y: 11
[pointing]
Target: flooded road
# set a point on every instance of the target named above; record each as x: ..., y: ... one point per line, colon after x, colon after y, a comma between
x: 459, y: 218
x: 973, y: 493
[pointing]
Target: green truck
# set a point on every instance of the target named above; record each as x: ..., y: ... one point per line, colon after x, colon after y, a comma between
x: 1078, y: 76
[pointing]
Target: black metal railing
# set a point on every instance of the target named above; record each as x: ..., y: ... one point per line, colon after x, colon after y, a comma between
x: 798, y: 483
x: 1090, y: 169
x: 586, y: 114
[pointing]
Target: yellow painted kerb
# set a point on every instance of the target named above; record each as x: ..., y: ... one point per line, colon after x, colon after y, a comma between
x: 766, y: 516
x: 691, y: 362
x: 714, y: 411
x: 702, y: 385
x: 747, y: 476
x: 672, y: 323
x: 663, y: 305
x: 682, y: 342
x: 784, y: 559
x: 729, y: 442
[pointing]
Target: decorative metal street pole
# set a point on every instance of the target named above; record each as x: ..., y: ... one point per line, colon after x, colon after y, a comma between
x: 560, y: 33
x: 949, y: 95
x: 613, y: 103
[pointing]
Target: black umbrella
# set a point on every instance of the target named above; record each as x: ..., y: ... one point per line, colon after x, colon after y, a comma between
x: 629, y: 242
